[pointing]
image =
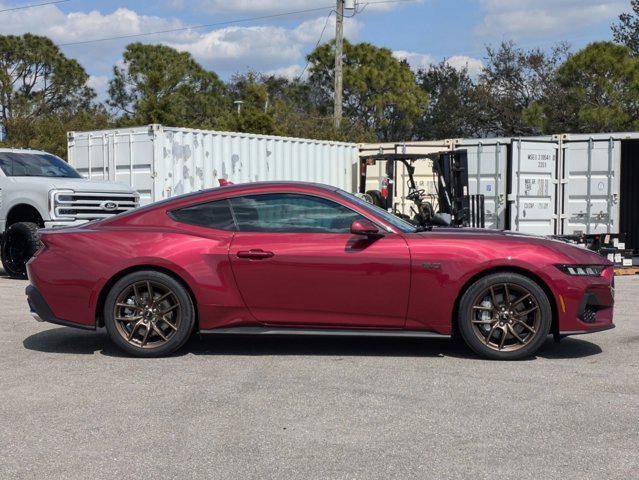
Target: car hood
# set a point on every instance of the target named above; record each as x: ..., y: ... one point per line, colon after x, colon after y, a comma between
x: 77, y: 184
x: 571, y: 253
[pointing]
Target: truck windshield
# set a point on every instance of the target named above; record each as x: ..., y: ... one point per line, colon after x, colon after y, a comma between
x: 15, y: 164
x: 394, y: 220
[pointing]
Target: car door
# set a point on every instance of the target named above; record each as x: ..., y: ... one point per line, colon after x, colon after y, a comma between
x: 296, y: 263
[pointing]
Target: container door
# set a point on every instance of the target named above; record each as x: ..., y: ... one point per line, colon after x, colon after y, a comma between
x: 487, y: 175
x: 88, y: 154
x: 534, y: 187
x: 590, y: 186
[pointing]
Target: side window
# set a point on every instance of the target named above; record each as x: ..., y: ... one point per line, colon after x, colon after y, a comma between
x: 285, y: 212
x: 6, y: 164
x: 211, y: 215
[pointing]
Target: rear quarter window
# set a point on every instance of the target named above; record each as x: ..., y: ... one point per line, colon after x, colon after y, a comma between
x: 216, y: 215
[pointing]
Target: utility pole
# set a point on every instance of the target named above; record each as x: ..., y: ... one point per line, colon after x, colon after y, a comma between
x: 339, y: 47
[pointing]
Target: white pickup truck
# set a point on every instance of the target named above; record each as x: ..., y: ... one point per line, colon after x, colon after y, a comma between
x: 39, y: 190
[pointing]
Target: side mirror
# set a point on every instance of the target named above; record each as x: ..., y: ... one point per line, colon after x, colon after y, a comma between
x: 366, y: 228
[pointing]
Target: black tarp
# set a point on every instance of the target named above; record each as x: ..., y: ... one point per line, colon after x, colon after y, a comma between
x: 629, y: 193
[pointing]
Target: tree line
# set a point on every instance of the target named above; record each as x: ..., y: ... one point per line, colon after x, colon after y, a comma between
x: 44, y: 94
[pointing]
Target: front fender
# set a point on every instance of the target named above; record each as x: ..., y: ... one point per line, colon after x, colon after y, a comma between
x: 441, y: 269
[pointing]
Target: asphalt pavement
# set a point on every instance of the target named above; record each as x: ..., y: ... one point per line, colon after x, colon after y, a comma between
x: 72, y: 406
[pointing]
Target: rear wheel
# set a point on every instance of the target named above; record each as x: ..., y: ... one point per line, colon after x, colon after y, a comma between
x: 505, y: 316
x: 19, y: 243
x: 149, y: 314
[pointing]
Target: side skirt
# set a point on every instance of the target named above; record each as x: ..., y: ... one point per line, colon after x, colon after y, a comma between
x: 348, y: 332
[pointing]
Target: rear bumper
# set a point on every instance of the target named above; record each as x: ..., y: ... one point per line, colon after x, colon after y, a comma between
x: 41, y: 311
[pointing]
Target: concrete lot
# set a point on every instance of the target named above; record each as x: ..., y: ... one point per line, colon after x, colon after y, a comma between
x: 71, y: 406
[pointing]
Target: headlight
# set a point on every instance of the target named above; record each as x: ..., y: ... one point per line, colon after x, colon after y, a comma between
x: 60, y: 205
x: 582, y: 270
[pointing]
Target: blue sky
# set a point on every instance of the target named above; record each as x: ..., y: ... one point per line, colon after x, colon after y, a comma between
x: 422, y: 31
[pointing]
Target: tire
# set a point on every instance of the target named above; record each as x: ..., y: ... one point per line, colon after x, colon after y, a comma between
x: 132, y: 320
x: 19, y: 242
x: 377, y: 198
x: 499, y: 313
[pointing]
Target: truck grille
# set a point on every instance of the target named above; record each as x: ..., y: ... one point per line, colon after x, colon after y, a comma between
x: 93, y: 205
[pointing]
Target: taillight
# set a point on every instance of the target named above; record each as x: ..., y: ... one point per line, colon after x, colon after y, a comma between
x: 42, y: 245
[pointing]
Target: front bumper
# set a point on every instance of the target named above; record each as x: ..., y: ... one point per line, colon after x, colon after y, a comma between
x: 41, y: 311
x: 589, y: 304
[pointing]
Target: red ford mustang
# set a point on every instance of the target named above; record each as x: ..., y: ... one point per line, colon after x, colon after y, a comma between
x: 300, y: 258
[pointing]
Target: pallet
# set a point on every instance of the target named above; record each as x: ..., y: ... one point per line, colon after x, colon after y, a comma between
x: 626, y: 270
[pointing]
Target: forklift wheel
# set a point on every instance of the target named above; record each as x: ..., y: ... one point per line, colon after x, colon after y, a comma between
x: 377, y: 198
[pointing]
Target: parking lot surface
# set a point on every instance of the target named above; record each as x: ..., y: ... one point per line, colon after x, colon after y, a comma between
x: 72, y: 406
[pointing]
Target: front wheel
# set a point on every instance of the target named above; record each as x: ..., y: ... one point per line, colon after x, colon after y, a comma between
x: 149, y: 314
x: 504, y: 316
x: 19, y: 242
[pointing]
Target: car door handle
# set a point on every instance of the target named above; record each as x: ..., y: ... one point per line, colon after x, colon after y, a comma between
x: 255, y: 254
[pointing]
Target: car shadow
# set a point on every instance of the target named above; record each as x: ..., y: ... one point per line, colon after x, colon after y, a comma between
x: 79, y: 342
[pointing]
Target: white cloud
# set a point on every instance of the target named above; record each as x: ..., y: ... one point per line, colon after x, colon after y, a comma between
x: 291, y: 71
x: 99, y: 83
x: 519, y: 19
x: 257, y: 7
x: 257, y: 47
x: 225, y: 50
x: 414, y: 59
x: 424, y: 60
x: 474, y: 65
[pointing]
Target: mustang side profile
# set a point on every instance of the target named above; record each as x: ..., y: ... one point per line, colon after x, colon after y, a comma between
x: 301, y: 258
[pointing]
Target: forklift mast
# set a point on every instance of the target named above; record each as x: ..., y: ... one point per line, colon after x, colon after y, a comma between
x: 451, y: 170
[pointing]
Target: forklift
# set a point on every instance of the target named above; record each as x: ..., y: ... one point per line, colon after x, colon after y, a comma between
x: 451, y: 206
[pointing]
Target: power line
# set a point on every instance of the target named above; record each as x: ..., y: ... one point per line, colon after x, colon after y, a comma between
x: 32, y: 6
x: 219, y: 24
x: 197, y: 27
x: 319, y: 40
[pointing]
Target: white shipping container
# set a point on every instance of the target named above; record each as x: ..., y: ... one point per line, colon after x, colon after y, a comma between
x: 518, y: 180
x: 591, y: 167
x: 562, y: 184
x: 534, y: 184
x: 487, y: 167
x: 161, y: 162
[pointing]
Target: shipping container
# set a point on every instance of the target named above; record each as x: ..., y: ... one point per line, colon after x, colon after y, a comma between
x: 600, y: 184
x: 487, y: 163
x: 518, y: 178
x: 423, y: 169
x: 534, y: 186
x: 567, y: 184
x: 160, y: 162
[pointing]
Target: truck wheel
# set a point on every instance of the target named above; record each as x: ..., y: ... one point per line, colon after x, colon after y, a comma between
x: 504, y: 316
x: 19, y: 242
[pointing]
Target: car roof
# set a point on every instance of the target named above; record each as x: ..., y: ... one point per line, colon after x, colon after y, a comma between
x: 22, y: 150
x: 239, y: 187
x: 269, y: 185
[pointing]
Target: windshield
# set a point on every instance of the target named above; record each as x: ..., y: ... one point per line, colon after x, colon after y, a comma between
x: 394, y: 220
x: 15, y: 164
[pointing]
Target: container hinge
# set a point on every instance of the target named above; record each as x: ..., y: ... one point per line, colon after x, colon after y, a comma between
x: 512, y: 197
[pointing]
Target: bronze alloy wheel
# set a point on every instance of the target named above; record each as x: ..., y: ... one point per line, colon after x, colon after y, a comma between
x: 506, y: 317
x: 147, y: 314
